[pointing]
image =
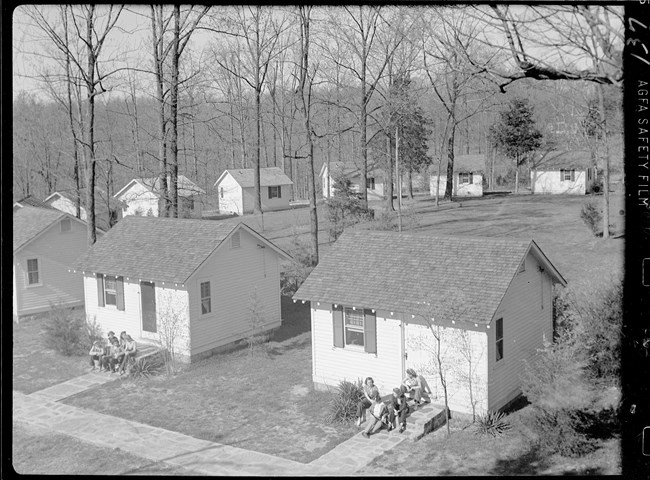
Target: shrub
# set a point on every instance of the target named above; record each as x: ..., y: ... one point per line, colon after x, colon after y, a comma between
x: 343, y: 407
x: 492, y: 423
x: 301, y: 265
x: 592, y: 216
x: 67, y: 331
x: 146, y: 367
x: 596, y: 186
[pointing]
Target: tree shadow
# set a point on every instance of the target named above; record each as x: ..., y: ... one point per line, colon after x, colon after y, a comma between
x: 529, y: 463
x: 296, y: 319
x: 273, y: 349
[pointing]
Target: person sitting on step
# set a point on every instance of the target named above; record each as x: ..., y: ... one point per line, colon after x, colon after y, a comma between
x: 369, y: 390
x: 417, y: 387
x: 114, y: 356
x: 378, y: 416
x: 130, y: 351
x: 96, y: 352
x: 107, y: 350
x: 398, y: 409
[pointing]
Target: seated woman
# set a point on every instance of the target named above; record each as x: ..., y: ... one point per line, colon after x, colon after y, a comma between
x: 398, y: 409
x: 369, y: 391
x: 416, y: 386
x: 114, y: 356
x: 378, y: 416
x: 130, y: 351
x: 96, y: 352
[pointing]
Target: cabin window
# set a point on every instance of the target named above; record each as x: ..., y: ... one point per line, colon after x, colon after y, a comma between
x: 66, y: 225
x: 355, y: 327
x: 499, y: 338
x: 370, y: 182
x: 206, y: 304
x: 221, y: 192
x: 33, y: 277
x: 465, y: 177
x: 110, y: 290
x: 275, y: 192
x: 235, y: 240
x: 567, y: 175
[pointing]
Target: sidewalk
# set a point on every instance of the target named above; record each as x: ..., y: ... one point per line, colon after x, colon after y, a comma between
x: 159, y: 445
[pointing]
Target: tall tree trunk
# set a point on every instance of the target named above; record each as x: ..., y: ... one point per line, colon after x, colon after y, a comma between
x: 409, y: 180
x: 89, y: 129
x: 603, y: 126
x: 449, y: 187
x: 173, y: 143
x: 389, y: 176
x: 157, y: 29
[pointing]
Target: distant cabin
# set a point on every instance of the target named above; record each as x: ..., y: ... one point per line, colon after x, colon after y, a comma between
x: 376, y: 296
x: 45, y: 242
x: 375, y: 184
x: 206, y: 281
x: 142, y: 197
x: 236, y: 190
x: 468, y: 177
x: 107, y: 209
x: 563, y: 172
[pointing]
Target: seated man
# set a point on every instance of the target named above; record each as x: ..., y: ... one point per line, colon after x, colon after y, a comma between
x: 416, y: 386
x: 130, y: 351
x: 378, y: 416
x: 114, y: 356
x: 96, y: 352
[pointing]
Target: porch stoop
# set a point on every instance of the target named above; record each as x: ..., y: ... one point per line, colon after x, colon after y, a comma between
x: 424, y: 419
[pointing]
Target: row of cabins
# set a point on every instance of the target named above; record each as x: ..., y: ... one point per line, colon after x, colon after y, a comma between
x: 376, y: 298
x: 557, y: 172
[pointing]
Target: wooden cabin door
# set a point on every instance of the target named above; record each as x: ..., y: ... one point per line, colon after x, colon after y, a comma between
x: 148, y: 297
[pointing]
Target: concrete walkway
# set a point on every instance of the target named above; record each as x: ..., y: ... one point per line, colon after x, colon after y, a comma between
x: 43, y: 409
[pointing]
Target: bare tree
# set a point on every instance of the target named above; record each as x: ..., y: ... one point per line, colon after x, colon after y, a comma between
x: 92, y: 26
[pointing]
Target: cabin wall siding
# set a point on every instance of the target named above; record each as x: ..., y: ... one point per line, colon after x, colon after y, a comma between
x: 474, y: 189
x: 139, y: 199
x: 544, y: 182
x: 525, y: 327
x: 232, y: 195
x: 236, y: 276
x: 55, y: 250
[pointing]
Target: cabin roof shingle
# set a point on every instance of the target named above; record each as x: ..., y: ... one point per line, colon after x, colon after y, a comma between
x: 29, y: 222
x: 556, y: 160
x: 155, y: 248
x: 462, y: 277
x: 269, y: 177
x: 185, y: 186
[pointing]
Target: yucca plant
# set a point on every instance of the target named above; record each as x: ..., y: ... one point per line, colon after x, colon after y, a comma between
x: 145, y: 367
x: 493, y: 423
x: 343, y: 406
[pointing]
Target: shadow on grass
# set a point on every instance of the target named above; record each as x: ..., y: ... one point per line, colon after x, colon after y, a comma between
x: 529, y: 463
x: 296, y: 319
x: 273, y: 349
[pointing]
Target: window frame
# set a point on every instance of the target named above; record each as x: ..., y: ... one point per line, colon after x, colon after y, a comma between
x: 275, y: 191
x: 370, y: 183
x: 498, y: 339
x: 356, y: 311
x: 221, y: 192
x: 39, y: 277
x: 114, y: 290
x: 203, y: 298
x: 68, y: 222
x: 464, y: 175
x: 570, y: 172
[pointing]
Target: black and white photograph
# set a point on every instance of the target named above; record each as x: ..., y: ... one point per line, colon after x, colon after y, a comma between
x: 329, y: 240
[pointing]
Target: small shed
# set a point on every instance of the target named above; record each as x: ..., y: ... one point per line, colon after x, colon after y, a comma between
x: 236, y: 190
x: 45, y: 241
x: 468, y: 177
x: 142, y: 196
x: 206, y: 282
x: 563, y: 172
x: 377, y: 298
x: 107, y: 209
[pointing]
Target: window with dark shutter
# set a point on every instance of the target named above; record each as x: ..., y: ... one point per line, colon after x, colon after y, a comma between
x: 471, y: 177
x: 370, y: 331
x: 499, y: 339
x: 337, y: 324
x: 119, y: 293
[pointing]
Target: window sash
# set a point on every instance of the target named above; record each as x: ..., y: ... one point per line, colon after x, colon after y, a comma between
x: 110, y: 290
x: 499, y: 339
x: 275, y: 192
x: 206, y: 303
x: 464, y: 178
x: 32, y: 271
x: 354, y: 326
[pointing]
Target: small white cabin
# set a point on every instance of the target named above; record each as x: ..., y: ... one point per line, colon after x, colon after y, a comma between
x: 201, y: 279
x: 489, y: 299
x: 468, y: 177
x: 107, y: 210
x: 569, y: 173
x: 142, y: 196
x: 236, y: 190
x: 374, y: 182
x: 45, y: 242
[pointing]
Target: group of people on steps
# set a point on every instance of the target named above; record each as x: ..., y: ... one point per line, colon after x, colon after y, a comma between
x: 392, y: 413
x: 114, y: 355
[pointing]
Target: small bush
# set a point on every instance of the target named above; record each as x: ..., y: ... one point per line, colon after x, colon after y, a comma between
x: 492, y: 423
x: 596, y: 186
x: 301, y: 265
x: 592, y: 217
x: 560, y: 431
x: 67, y: 331
x: 343, y: 407
x: 146, y: 367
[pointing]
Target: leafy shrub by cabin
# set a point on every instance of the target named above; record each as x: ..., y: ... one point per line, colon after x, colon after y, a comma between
x: 68, y: 332
x: 343, y: 407
x: 592, y: 216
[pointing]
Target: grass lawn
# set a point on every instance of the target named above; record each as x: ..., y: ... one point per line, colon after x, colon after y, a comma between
x: 39, y: 452
x: 35, y: 366
x: 265, y: 403
x: 468, y: 454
